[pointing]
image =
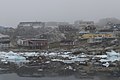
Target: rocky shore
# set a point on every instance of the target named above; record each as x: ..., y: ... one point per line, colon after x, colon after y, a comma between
x: 61, y: 64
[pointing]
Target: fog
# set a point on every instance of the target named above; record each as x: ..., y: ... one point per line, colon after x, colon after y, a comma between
x: 14, y: 11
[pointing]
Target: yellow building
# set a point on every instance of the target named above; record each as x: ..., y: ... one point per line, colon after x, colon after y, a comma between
x: 96, y: 35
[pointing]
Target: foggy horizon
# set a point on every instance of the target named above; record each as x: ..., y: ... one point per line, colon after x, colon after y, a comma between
x: 15, y: 11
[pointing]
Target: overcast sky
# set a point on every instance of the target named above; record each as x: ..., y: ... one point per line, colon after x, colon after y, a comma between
x: 14, y: 11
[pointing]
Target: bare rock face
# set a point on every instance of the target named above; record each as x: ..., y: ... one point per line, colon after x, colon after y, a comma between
x: 52, y: 35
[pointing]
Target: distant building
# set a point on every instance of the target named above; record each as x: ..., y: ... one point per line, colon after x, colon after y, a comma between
x: 67, y: 28
x: 31, y: 24
x: 97, y: 35
x: 33, y: 43
x: 42, y: 36
x: 95, y: 40
x: 82, y: 24
x: 83, y: 32
x: 67, y: 43
x: 90, y: 28
x: 106, y: 31
x: 112, y: 26
x: 55, y: 24
x: 4, y: 41
x: 115, y: 27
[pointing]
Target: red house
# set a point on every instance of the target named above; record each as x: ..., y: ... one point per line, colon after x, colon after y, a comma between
x: 33, y: 43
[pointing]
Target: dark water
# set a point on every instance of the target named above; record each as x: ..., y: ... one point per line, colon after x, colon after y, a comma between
x: 14, y: 76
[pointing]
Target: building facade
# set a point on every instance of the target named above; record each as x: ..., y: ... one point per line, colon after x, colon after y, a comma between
x: 31, y: 24
x: 95, y: 40
x: 97, y: 35
x: 55, y: 24
x: 33, y: 43
x: 82, y: 24
x: 4, y: 41
x: 67, y: 28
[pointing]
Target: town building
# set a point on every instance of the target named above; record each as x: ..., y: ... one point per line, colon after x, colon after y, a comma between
x: 83, y: 32
x: 115, y: 27
x: 31, y: 24
x: 55, y: 24
x: 33, y: 43
x: 95, y: 40
x: 106, y: 31
x: 4, y: 41
x: 67, y: 28
x: 82, y: 24
x: 97, y: 35
x: 67, y: 43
